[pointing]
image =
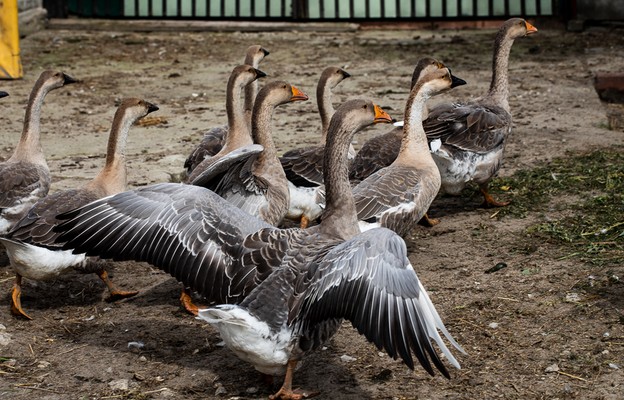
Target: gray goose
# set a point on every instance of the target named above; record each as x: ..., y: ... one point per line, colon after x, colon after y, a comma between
x: 214, y: 138
x: 238, y: 129
x: 277, y: 293
x: 30, y: 244
x: 25, y: 176
x: 381, y: 150
x: 399, y: 195
x: 304, y: 165
x: 473, y: 134
x: 251, y: 177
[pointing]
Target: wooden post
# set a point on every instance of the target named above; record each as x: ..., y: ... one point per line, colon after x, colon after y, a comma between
x: 10, y: 64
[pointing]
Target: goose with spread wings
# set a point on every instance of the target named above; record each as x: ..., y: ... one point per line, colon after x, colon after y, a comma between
x: 276, y: 294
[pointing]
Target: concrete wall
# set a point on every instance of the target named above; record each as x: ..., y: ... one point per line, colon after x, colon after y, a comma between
x: 32, y: 16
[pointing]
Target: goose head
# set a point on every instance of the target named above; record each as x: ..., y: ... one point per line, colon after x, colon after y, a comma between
x: 333, y: 76
x: 424, y: 66
x: 134, y: 109
x: 280, y: 92
x: 439, y: 80
x: 50, y: 80
x: 244, y: 74
x: 255, y: 55
x: 517, y: 27
x: 3, y: 94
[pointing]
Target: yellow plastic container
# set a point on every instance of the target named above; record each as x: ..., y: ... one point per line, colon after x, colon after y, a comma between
x: 10, y: 63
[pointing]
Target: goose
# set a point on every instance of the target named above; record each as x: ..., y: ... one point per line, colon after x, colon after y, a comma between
x: 238, y: 129
x: 25, y: 176
x: 380, y: 151
x: 251, y: 177
x: 473, y: 134
x: 398, y: 196
x: 276, y: 294
x: 30, y: 244
x: 3, y: 94
x: 214, y: 138
x: 304, y: 165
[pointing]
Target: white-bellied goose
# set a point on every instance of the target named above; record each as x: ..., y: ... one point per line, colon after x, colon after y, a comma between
x: 239, y: 134
x: 398, y: 196
x: 304, y: 165
x: 473, y: 134
x: 380, y: 151
x: 214, y: 139
x: 25, y: 176
x: 279, y: 293
x: 30, y: 244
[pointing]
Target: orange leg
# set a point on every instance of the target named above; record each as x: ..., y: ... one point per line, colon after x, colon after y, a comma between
x: 488, y: 200
x: 286, y: 392
x: 187, y: 303
x: 114, y: 293
x: 304, y: 222
x: 16, y: 303
x: 428, y: 222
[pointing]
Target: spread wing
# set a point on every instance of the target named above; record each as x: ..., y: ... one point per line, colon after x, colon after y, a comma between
x: 36, y: 227
x: 369, y: 281
x: 471, y: 127
x: 304, y: 166
x: 188, y: 231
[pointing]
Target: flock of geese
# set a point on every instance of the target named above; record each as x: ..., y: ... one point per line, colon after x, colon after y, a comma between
x: 274, y: 293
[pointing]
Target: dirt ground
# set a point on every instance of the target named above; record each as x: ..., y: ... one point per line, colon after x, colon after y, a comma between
x: 532, y: 330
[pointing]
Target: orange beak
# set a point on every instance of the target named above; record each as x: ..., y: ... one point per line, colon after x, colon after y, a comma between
x: 530, y: 28
x: 298, y: 95
x: 381, y: 116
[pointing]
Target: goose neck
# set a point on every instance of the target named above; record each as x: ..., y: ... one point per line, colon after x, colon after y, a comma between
x: 29, y: 143
x: 339, y: 217
x: 414, y: 138
x: 325, y: 106
x: 499, y: 86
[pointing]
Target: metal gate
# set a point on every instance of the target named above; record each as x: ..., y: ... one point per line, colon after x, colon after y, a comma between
x: 308, y: 10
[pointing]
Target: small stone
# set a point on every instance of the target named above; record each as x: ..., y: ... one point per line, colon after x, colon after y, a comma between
x: 493, y: 325
x: 606, y: 334
x: 5, y: 339
x: 119, y: 384
x: 252, y: 390
x: 143, y: 359
x: 614, y: 366
x: 552, y: 368
x: 220, y: 390
x: 43, y: 364
x: 572, y: 298
x: 346, y: 358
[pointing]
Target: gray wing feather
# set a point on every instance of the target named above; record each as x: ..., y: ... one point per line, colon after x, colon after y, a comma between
x: 212, y: 174
x: 188, y: 231
x: 369, y: 281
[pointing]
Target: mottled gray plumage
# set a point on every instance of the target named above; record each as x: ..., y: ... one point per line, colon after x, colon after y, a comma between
x: 298, y: 283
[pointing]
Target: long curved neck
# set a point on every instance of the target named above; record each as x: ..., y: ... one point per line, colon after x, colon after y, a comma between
x: 238, y: 130
x: 414, y: 140
x: 113, y: 176
x: 340, y: 216
x: 251, y: 90
x: 29, y: 146
x: 261, y: 129
x: 499, y: 87
x: 325, y: 106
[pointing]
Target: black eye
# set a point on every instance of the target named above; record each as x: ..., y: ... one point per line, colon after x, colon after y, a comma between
x: 365, y: 106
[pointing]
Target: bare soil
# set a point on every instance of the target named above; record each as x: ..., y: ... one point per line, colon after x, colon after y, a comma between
x: 546, y: 326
